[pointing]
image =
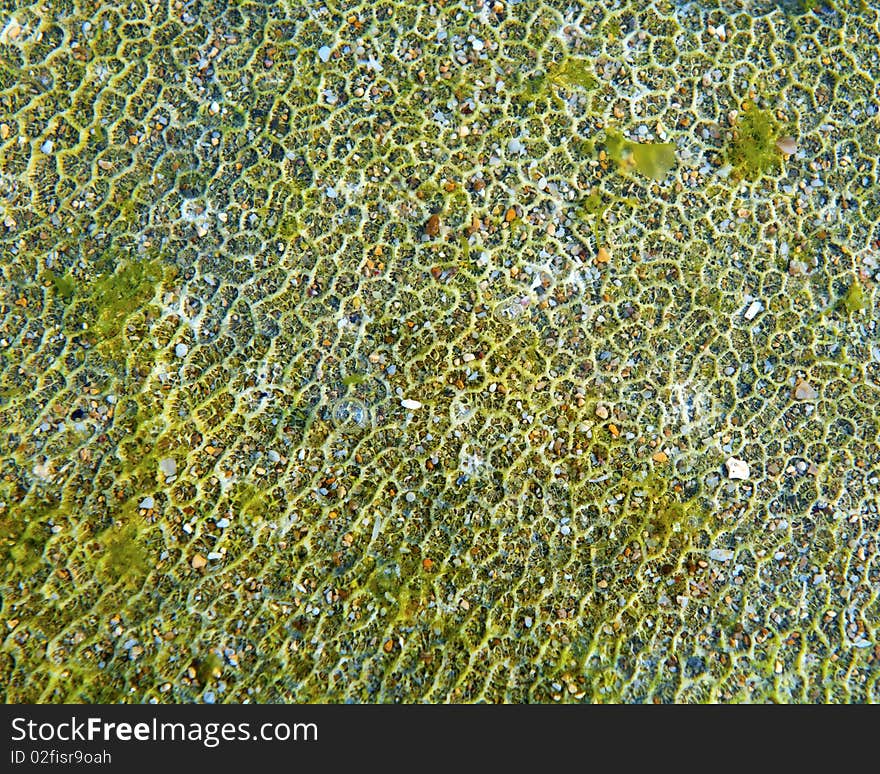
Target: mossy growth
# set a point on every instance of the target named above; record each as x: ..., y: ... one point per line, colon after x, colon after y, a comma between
x: 104, y: 304
x: 657, y: 513
x: 651, y: 159
x: 854, y: 299
x: 64, y: 285
x: 593, y: 206
x: 574, y: 72
x: 124, y: 556
x: 208, y: 668
x: 289, y: 227
x: 753, y: 150
x: 250, y: 501
x: 570, y: 73
x: 23, y: 543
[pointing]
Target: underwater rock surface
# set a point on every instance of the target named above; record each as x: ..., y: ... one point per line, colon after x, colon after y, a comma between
x: 397, y: 352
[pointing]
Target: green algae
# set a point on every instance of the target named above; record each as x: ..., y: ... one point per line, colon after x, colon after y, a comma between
x: 651, y: 159
x: 592, y: 208
x: 656, y: 514
x: 752, y: 151
x: 854, y: 300
x: 653, y: 510
x: 574, y: 72
x: 64, y: 285
x: 105, y: 303
x: 24, y: 539
x: 124, y: 557
x: 570, y: 73
x: 209, y: 668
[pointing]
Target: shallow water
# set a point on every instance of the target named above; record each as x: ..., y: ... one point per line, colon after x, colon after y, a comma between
x: 391, y: 353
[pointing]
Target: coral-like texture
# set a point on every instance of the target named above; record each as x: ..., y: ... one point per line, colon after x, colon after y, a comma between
x: 340, y: 360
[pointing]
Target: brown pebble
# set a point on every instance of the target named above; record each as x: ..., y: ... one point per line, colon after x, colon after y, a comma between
x: 510, y: 215
x: 4, y: 131
x: 602, y: 412
x: 198, y: 561
x: 388, y: 646
x: 602, y: 256
x: 787, y: 145
x: 660, y: 456
x: 432, y: 227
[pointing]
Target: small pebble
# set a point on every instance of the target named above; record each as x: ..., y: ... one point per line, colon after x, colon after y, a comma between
x: 198, y: 561
x: 752, y: 311
x: 737, y: 468
x: 805, y: 391
x: 180, y: 350
x: 147, y: 504
x: 324, y: 53
x: 168, y: 466
x: 47, y: 147
x: 796, y: 268
x: 721, y: 555
x: 602, y: 411
x: 432, y: 227
x: 787, y: 145
x: 409, y: 403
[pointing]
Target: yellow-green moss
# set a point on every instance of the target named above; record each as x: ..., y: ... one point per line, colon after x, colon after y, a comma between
x: 752, y: 151
x: 651, y: 159
x: 124, y: 556
x: 854, y: 299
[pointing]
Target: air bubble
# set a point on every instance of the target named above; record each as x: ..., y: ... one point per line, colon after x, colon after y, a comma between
x: 508, y: 310
x: 350, y: 415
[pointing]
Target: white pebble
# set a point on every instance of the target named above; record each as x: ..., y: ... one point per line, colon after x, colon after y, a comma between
x: 324, y: 53
x: 409, y: 403
x: 168, y: 466
x: 147, y: 503
x: 47, y: 147
x: 752, y: 311
x: 737, y: 468
x: 180, y: 350
x: 721, y: 554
